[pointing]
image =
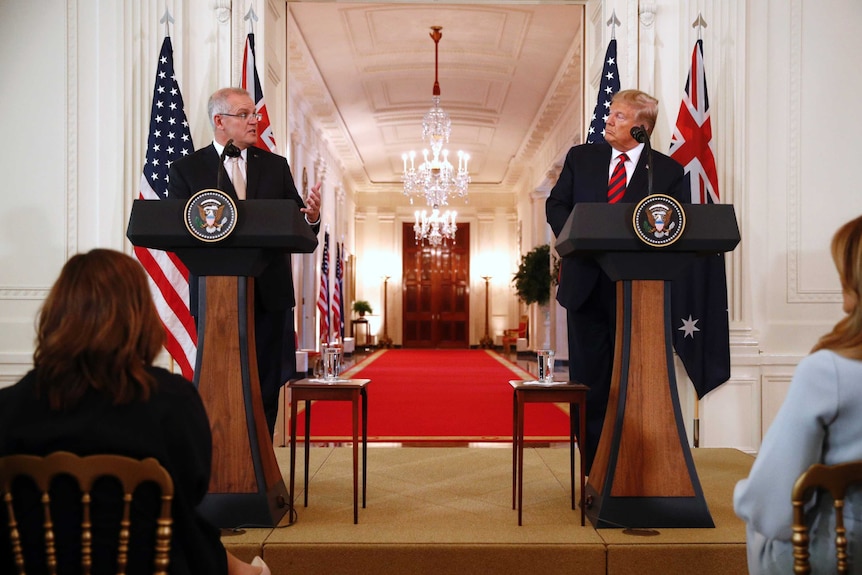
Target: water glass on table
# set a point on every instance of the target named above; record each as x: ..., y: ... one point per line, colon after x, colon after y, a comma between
x: 331, y: 362
x: 545, y: 359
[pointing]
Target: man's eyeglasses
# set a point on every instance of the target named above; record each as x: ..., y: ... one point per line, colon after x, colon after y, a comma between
x: 244, y: 116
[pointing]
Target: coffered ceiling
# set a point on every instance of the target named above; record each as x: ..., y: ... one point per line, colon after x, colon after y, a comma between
x: 365, y: 72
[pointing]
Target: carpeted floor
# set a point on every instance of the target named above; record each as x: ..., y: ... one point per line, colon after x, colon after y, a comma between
x: 435, y: 396
x: 449, y: 511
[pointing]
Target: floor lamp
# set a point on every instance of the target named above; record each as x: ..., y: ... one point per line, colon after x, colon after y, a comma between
x: 486, y: 341
x: 385, y: 341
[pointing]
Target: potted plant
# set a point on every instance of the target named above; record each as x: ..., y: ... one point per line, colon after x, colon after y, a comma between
x: 362, y: 307
x: 533, y: 280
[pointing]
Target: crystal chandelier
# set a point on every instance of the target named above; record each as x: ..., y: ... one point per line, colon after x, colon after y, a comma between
x: 435, y: 178
x: 436, y: 227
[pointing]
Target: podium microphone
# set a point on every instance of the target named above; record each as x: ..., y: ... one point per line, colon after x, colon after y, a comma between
x: 229, y: 151
x: 640, y: 134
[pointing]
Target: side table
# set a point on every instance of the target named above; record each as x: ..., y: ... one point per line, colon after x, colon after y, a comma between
x: 361, y: 324
x: 309, y: 390
x: 575, y: 394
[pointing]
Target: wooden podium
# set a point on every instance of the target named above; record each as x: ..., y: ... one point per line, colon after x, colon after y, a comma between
x: 643, y: 474
x: 246, y: 485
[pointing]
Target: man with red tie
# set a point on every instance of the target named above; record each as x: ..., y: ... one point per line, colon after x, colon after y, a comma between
x: 615, y: 171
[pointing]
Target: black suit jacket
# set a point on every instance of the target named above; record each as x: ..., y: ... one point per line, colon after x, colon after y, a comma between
x: 268, y: 177
x: 584, y: 178
x: 171, y: 426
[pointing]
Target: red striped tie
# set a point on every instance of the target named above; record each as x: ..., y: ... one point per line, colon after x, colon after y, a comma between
x: 617, y: 185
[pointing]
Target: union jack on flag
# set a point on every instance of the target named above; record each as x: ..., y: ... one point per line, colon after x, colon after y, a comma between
x: 323, y: 296
x: 251, y: 83
x: 169, y: 138
x: 701, y: 334
x: 609, y: 85
x: 691, y: 144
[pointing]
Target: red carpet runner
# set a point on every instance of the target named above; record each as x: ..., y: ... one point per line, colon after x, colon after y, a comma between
x: 437, y: 396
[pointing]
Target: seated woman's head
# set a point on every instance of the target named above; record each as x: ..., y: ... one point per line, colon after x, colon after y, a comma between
x: 846, y: 336
x: 98, y: 329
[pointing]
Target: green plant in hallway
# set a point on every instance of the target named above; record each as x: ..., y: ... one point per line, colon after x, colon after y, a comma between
x: 533, y: 280
x: 362, y: 307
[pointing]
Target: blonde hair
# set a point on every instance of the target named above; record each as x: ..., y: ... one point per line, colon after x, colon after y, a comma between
x: 645, y: 105
x: 846, y: 337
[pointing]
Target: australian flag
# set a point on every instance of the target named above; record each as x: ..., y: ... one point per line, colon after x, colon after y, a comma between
x: 701, y: 334
x: 609, y: 85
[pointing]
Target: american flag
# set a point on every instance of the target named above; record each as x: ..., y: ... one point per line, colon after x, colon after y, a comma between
x: 169, y: 138
x: 251, y: 83
x: 337, y: 299
x: 699, y: 300
x: 323, y: 296
x: 609, y: 85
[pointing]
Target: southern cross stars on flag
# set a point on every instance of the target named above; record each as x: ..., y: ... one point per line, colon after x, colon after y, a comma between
x: 169, y: 138
x: 609, y: 85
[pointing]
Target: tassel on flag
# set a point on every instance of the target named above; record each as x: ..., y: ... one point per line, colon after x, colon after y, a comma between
x: 701, y: 334
x: 251, y: 83
x: 169, y: 138
x: 323, y: 296
x: 609, y: 86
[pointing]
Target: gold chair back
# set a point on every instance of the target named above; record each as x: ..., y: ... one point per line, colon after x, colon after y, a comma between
x: 835, y: 479
x: 130, y: 473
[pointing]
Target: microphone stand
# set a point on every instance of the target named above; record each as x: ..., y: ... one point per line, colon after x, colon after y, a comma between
x: 640, y: 134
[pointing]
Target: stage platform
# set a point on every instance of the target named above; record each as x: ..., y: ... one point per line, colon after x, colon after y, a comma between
x: 448, y: 510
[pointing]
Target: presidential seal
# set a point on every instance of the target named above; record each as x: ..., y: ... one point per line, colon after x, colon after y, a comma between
x: 659, y: 220
x: 210, y: 215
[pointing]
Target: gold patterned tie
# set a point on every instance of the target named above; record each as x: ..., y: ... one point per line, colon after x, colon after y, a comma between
x: 237, y: 178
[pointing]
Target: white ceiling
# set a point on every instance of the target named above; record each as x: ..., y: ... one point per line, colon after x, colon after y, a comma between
x: 365, y: 72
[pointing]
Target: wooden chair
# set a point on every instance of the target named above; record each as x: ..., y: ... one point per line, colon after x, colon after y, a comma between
x: 127, y: 473
x: 511, y: 335
x: 835, y: 479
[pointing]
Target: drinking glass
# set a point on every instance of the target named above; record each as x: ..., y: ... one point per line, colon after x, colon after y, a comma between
x: 545, y: 359
x: 331, y: 362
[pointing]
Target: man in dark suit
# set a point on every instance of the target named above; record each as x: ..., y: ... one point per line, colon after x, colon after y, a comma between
x: 586, y: 292
x: 254, y: 174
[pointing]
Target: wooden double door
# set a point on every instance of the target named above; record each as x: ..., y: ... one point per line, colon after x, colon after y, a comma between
x: 436, y: 295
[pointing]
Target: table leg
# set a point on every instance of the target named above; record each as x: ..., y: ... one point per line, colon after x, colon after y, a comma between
x: 364, y: 442
x: 582, y: 429
x: 307, y: 446
x: 514, y: 448
x: 520, y: 455
x: 572, y: 450
x: 355, y: 457
x: 292, y: 451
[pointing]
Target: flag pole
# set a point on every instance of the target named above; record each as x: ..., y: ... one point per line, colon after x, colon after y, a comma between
x: 613, y: 22
x: 251, y: 16
x: 167, y: 20
x: 696, y: 427
x: 700, y: 24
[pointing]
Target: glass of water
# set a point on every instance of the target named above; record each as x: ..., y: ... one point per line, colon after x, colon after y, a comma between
x: 545, y: 359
